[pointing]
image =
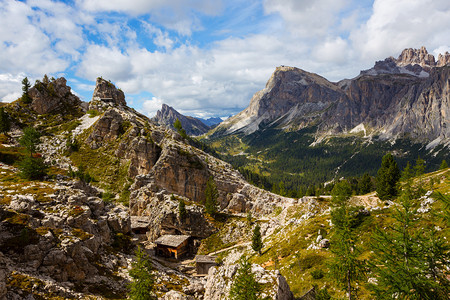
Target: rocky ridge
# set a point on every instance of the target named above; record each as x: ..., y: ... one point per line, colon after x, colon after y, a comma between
x: 167, y: 116
x: 53, y: 96
x: 59, y: 236
x: 404, y: 97
x: 72, y: 236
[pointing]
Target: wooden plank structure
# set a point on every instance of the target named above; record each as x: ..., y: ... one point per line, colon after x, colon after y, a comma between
x: 203, y: 263
x: 172, y: 246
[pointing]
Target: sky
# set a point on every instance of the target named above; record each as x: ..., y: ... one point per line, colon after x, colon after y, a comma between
x: 205, y: 58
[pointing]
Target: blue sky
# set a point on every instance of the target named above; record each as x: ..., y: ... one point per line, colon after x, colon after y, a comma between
x: 206, y: 58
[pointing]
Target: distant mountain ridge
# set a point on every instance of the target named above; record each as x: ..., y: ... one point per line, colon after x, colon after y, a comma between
x: 403, y: 97
x: 168, y: 115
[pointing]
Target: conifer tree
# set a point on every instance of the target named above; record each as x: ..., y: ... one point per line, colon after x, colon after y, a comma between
x: 211, y: 195
x: 345, y: 266
x: 31, y: 167
x: 387, y: 178
x: 141, y: 288
x: 257, y: 243
x: 419, y: 168
x: 25, y: 88
x: 30, y: 139
x: 409, y: 262
x: 245, y: 286
x: 443, y: 165
x: 181, y: 209
x: 407, y: 172
x: 365, y: 184
x: 5, y: 123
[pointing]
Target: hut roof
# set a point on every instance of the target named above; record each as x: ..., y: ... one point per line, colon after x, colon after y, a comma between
x: 171, y: 240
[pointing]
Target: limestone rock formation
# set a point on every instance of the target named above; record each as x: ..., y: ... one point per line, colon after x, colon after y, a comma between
x: 54, y: 96
x: 68, y: 238
x: 404, y: 97
x: 290, y: 94
x: 168, y: 115
x: 105, y: 95
x: 220, y: 280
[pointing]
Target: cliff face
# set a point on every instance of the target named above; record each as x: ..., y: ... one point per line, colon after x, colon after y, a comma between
x: 168, y: 115
x: 54, y: 96
x: 403, y: 97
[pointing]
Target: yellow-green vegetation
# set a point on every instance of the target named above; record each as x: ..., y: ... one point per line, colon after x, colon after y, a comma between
x: 43, y: 230
x: 108, y: 171
x: 235, y: 232
x: 76, y: 211
x: 31, y: 286
x: 12, y: 184
x: 81, y: 234
x: 174, y: 282
x: 19, y: 219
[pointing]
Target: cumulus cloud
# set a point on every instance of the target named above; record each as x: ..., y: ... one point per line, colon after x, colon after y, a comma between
x: 10, y: 87
x: 178, y: 15
x: 150, y: 107
x: 305, y: 17
x: 395, y: 25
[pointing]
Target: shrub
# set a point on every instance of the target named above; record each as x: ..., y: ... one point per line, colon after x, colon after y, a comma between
x: 33, y: 168
x: 317, y: 274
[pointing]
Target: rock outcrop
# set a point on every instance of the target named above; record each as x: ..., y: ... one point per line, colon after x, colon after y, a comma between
x: 68, y: 235
x: 52, y: 96
x: 168, y: 115
x: 403, y: 97
x: 105, y: 95
x: 220, y: 280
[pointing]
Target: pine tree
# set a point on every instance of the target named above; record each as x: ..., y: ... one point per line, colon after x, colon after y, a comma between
x: 257, y: 243
x: 387, y: 178
x: 181, y: 209
x: 419, y: 167
x: 30, y: 139
x: 177, y: 125
x: 345, y: 266
x: 25, y: 88
x: 365, y: 184
x: 32, y: 168
x: 407, y: 172
x: 245, y: 286
x: 141, y: 288
x: 5, y: 123
x: 444, y: 165
x: 408, y: 262
x: 211, y: 195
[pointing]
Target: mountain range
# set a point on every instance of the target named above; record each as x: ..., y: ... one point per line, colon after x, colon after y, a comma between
x: 403, y: 97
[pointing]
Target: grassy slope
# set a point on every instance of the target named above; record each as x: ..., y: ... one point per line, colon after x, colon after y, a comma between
x: 286, y: 249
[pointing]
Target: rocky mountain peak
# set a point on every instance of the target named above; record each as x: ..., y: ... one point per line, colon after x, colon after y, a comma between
x: 105, y: 92
x: 168, y: 115
x: 53, y: 95
x: 443, y: 59
x: 420, y: 57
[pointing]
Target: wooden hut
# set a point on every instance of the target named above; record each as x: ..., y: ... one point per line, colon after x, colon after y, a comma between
x: 172, y: 246
x: 203, y: 263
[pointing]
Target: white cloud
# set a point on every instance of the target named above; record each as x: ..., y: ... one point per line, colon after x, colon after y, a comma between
x: 306, y: 17
x: 150, y: 107
x: 395, y: 25
x: 106, y: 62
x: 173, y: 14
x: 333, y: 51
x: 10, y: 87
x: 161, y: 39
